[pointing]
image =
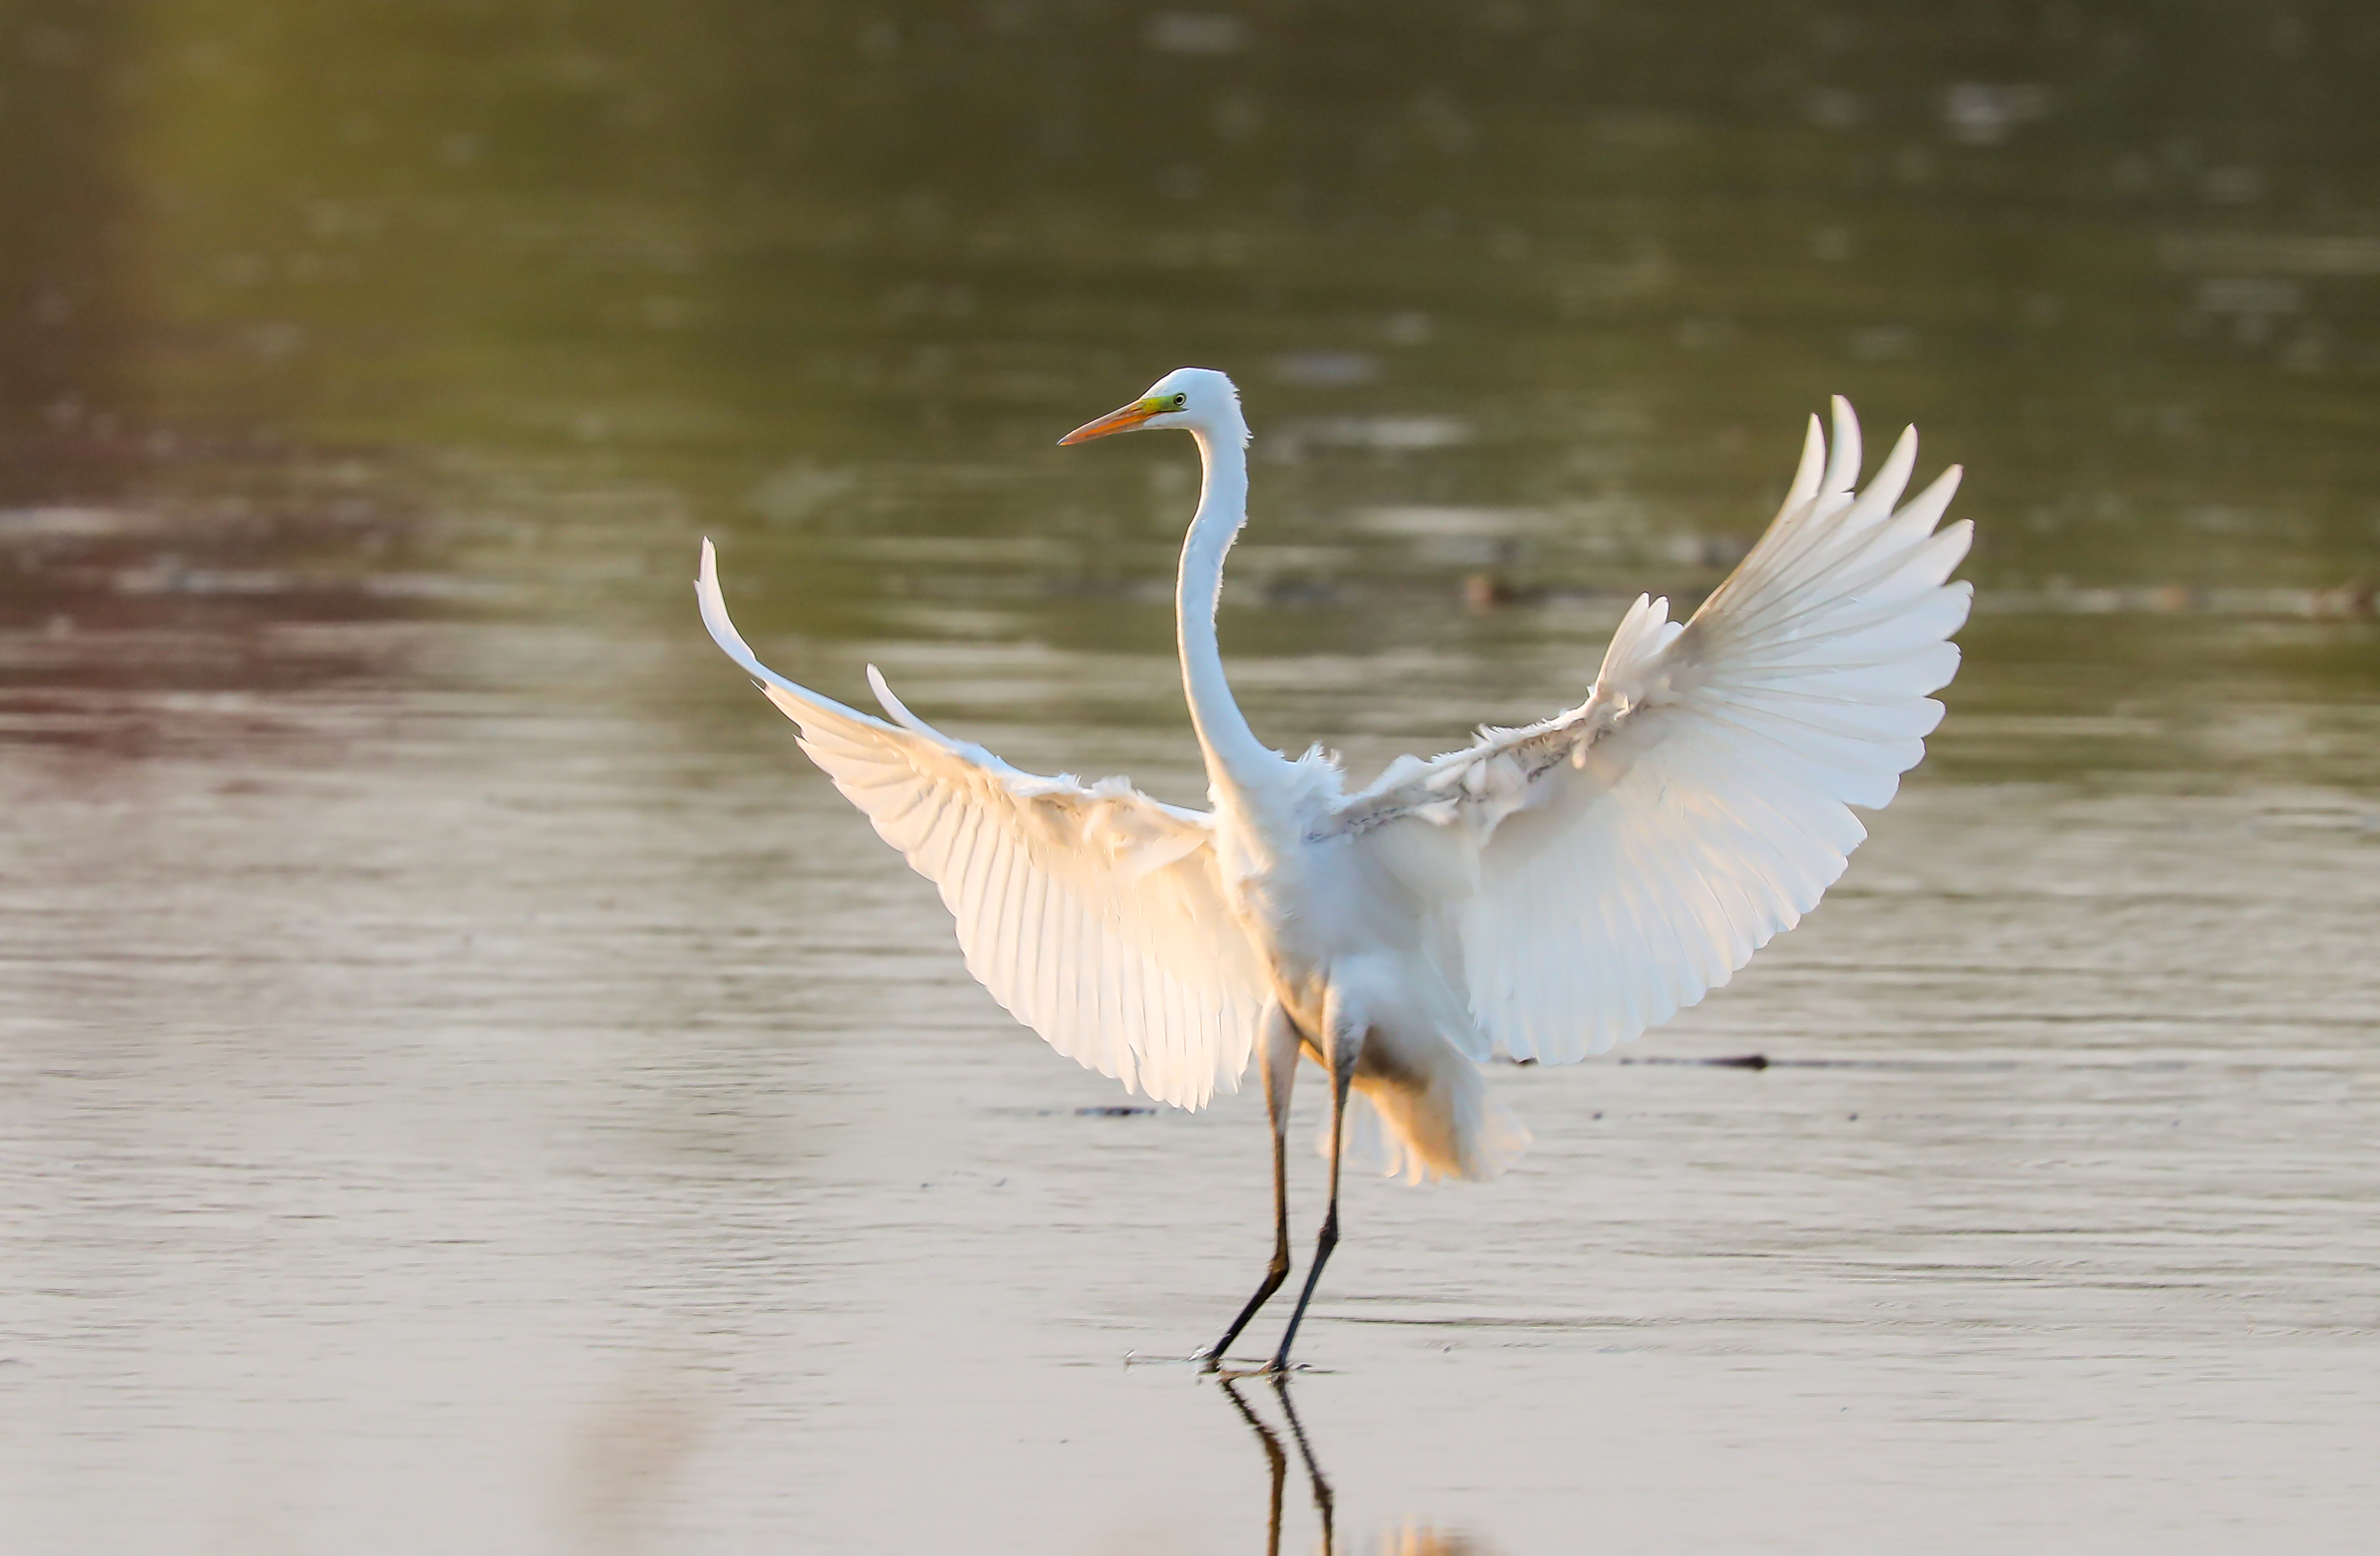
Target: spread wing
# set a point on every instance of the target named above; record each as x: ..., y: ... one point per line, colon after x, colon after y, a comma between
x: 1094, y: 915
x: 1589, y: 876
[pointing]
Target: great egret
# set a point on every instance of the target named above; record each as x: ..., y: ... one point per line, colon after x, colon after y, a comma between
x: 1542, y: 893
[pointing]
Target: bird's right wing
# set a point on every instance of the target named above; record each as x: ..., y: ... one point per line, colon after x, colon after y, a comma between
x: 1590, y: 875
x: 1093, y: 913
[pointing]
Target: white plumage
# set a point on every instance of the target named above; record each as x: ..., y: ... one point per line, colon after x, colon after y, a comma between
x: 1543, y: 894
x: 1094, y: 915
x: 1633, y: 853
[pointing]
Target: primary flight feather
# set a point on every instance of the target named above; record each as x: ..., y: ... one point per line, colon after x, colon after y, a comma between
x: 1543, y: 894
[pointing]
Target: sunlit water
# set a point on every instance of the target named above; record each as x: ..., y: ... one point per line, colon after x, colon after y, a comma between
x: 467, y: 1084
x: 462, y: 1111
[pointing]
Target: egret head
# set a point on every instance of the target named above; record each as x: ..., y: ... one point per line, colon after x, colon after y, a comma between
x: 1196, y: 400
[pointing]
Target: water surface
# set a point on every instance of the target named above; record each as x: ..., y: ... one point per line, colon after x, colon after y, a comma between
x: 465, y: 1083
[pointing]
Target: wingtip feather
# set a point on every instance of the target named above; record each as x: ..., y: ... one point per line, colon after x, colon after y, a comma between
x: 1843, y: 462
x: 1807, y: 473
x: 893, y: 707
x: 714, y: 613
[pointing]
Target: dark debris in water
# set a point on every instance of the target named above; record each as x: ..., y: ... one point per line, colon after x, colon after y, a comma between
x: 1117, y: 1110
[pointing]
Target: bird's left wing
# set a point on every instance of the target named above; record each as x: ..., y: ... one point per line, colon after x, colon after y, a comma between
x: 1586, y: 877
x: 1093, y: 913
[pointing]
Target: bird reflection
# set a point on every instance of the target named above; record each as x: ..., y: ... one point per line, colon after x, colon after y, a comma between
x: 1409, y: 1539
x: 1279, y: 1460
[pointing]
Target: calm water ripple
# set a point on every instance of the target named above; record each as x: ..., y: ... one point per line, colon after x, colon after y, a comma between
x: 472, y: 1084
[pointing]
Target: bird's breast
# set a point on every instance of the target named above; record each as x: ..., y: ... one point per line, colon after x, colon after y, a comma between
x: 1304, y: 910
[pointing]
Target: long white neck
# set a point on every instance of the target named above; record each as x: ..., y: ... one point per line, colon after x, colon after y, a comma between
x: 1236, y: 759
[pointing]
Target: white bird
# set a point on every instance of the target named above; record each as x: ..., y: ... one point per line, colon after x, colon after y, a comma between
x: 1542, y: 893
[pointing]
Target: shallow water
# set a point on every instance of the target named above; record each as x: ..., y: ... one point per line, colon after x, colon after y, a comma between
x: 462, y: 1110
x: 465, y: 1083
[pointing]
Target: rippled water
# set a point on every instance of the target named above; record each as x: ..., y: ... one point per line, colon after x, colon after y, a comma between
x: 467, y: 1084
x: 457, y: 1108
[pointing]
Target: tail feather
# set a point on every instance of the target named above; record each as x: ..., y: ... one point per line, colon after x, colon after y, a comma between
x: 1452, y: 1129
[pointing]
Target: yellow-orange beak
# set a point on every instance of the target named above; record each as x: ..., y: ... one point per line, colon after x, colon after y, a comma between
x: 1122, y: 420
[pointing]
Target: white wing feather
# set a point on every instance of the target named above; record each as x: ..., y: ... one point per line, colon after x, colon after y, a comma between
x: 1591, y: 875
x: 1094, y: 915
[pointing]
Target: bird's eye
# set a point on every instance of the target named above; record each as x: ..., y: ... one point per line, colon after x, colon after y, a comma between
x: 1181, y: 400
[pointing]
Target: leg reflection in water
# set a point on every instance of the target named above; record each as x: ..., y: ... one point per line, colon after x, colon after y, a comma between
x: 1279, y: 1460
x: 1410, y: 1538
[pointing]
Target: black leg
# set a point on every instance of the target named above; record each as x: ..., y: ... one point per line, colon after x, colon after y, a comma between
x: 1278, y: 1270
x: 1340, y: 1077
x: 1324, y: 1503
x: 1273, y: 1456
x: 1280, y: 1062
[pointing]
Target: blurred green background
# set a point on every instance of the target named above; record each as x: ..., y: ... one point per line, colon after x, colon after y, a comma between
x: 457, y: 305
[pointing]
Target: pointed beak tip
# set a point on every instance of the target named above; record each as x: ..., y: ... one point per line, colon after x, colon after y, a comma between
x: 1122, y: 420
